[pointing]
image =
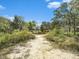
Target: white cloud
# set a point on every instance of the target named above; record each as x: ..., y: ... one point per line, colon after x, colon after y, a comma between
x: 56, y: 4
x: 53, y: 5
x: 67, y: 1
x: 9, y: 17
x: 2, y: 7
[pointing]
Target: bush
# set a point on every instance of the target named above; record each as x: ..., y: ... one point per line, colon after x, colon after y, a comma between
x: 16, y: 37
x: 55, y: 34
x: 62, y: 41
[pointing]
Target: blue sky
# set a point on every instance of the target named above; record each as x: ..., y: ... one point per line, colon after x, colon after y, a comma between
x: 38, y: 10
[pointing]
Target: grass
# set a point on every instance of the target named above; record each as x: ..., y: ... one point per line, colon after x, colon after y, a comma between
x: 7, y: 40
x: 59, y: 40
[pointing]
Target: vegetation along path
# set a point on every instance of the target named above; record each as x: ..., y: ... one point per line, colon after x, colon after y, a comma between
x: 38, y: 48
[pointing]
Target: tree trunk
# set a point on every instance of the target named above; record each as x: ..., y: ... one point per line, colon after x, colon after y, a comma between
x: 74, y: 27
x: 69, y: 26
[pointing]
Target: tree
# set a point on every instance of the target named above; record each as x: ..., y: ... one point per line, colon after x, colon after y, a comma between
x: 18, y: 22
x: 74, y: 5
x: 4, y: 24
x: 60, y: 16
x: 66, y: 16
x: 45, y: 26
x: 31, y: 25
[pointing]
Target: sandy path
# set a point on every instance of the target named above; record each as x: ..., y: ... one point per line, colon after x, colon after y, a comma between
x: 39, y: 48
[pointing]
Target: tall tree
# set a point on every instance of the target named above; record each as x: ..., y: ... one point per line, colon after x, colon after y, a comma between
x: 31, y: 25
x: 75, y: 9
x: 45, y: 26
x: 18, y: 22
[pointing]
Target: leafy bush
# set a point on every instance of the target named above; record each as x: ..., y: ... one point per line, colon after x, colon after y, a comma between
x: 55, y: 34
x: 16, y: 37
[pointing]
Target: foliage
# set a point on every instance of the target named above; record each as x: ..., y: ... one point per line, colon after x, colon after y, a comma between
x: 67, y: 16
x: 4, y: 24
x: 55, y: 33
x: 45, y: 27
x: 18, y: 22
x: 61, y: 41
x: 15, y: 37
x: 65, y: 25
x: 31, y: 25
x: 13, y: 32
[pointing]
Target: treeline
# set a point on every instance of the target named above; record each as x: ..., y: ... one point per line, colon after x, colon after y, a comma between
x: 18, y: 23
x: 67, y: 17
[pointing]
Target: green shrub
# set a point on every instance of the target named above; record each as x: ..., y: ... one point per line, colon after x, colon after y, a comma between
x: 16, y: 37
x: 59, y: 40
x: 55, y: 35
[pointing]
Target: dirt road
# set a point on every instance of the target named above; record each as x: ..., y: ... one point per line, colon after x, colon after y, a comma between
x: 38, y: 48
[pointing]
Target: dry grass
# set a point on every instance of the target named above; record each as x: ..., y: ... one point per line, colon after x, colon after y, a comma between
x: 63, y: 42
x: 14, y: 38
